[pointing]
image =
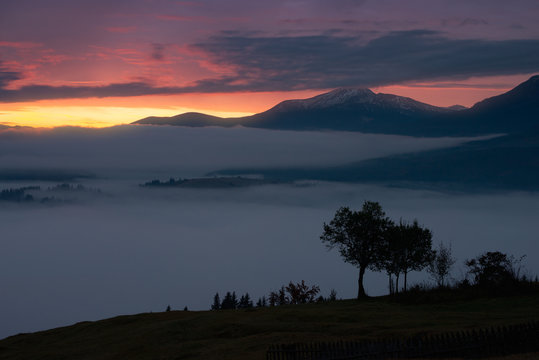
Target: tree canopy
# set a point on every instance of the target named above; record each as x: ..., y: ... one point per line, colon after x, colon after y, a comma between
x: 359, y: 236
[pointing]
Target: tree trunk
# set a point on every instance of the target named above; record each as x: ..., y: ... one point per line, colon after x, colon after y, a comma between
x: 361, y: 290
x: 405, y: 278
x: 397, y: 283
x: 390, y: 285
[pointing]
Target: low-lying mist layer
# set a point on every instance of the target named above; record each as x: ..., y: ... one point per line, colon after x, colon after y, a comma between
x: 122, y: 248
x: 177, y: 151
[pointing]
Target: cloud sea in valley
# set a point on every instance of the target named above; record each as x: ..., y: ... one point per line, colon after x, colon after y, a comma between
x: 118, y: 248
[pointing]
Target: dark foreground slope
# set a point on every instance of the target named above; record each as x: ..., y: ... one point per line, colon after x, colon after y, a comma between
x: 246, y: 334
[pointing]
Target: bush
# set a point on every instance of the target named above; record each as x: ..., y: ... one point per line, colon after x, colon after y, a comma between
x: 493, y: 269
x: 299, y: 293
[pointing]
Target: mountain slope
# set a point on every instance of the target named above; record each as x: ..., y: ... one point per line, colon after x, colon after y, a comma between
x: 503, y: 163
x: 516, y: 111
x: 192, y: 119
x: 350, y: 110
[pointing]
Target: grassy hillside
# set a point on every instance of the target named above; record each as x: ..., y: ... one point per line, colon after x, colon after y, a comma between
x: 246, y: 334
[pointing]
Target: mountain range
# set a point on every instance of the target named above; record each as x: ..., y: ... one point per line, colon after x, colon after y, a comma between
x: 362, y: 110
x: 508, y: 162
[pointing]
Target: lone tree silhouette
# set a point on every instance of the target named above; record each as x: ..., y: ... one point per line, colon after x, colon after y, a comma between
x: 359, y: 236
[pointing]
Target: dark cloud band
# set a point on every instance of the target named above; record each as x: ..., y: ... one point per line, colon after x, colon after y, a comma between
x: 328, y: 61
x: 6, y: 77
x: 323, y: 61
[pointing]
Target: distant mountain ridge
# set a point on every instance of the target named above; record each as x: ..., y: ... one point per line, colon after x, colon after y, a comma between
x: 503, y: 163
x: 357, y: 96
x: 193, y: 119
x: 361, y: 110
x: 509, y: 162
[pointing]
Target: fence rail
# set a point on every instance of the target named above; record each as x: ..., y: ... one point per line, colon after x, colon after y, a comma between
x: 493, y: 341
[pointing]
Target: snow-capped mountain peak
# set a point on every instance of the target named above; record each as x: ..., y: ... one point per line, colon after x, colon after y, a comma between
x: 356, y: 96
x: 332, y: 98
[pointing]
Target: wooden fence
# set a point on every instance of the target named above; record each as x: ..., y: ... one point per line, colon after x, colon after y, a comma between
x: 467, y: 344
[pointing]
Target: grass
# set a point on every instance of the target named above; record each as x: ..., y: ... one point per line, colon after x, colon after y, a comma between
x: 246, y: 334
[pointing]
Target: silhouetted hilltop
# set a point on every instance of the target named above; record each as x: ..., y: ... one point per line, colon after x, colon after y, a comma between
x: 349, y: 110
x: 516, y: 111
x: 457, y: 107
x: 193, y: 119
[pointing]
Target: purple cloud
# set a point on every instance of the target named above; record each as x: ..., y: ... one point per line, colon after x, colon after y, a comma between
x: 266, y: 63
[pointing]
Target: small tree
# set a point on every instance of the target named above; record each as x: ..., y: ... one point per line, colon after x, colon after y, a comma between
x: 493, y: 268
x: 245, y: 302
x: 216, y: 302
x: 441, y: 264
x: 358, y: 235
x: 300, y: 293
x: 261, y: 302
x: 282, y: 299
x: 277, y: 298
x: 273, y: 298
x: 230, y: 302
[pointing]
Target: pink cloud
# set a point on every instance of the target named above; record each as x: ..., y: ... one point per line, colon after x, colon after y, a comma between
x: 121, y: 29
x: 181, y: 18
x: 19, y: 44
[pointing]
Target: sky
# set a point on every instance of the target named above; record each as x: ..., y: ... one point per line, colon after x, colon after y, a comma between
x: 100, y: 63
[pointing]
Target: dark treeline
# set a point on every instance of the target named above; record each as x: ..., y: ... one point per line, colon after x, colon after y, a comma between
x: 70, y: 187
x: 231, y: 302
x: 292, y: 294
x: 211, y: 182
x: 492, y: 273
x: 22, y: 195
x: 370, y: 240
x: 18, y: 195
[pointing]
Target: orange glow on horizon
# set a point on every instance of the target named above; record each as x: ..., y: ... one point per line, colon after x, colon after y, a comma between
x: 116, y: 111
x: 104, y: 112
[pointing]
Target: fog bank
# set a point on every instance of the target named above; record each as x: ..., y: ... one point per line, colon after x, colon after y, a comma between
x: 127, y: 249
x: 182, y: 151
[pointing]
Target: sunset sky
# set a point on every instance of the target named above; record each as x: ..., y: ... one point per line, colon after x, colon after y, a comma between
x: 103, y: 62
